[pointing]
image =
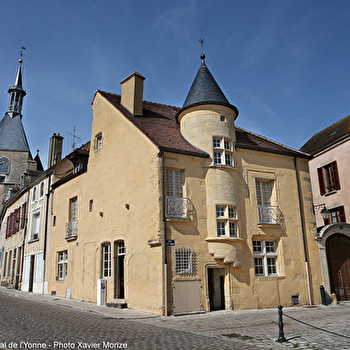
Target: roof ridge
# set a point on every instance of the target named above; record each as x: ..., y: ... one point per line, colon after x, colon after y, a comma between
x: 273, y: 141
x: 148, y: 101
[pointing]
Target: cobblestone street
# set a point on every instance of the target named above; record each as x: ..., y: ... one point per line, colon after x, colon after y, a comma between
x: 28, y: 320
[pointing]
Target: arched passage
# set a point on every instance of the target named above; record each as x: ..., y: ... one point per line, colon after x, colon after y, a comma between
x: 338, y: 259
x: 334, y: 246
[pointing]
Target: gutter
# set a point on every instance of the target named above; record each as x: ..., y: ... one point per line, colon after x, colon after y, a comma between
x: 302, y: 219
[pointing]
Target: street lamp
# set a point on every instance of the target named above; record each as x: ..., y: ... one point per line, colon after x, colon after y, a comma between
x: 324, y: 211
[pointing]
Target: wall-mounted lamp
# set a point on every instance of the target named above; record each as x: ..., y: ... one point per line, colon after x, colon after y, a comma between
x: 324, y: 211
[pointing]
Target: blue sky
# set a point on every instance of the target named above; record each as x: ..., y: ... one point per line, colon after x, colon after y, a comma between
x: 283, y: 64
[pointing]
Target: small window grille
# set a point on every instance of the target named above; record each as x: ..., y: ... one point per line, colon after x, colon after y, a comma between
x: 184, y: 261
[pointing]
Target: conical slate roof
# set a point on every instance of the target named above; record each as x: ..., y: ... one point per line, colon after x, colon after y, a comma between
x: 205, y: 90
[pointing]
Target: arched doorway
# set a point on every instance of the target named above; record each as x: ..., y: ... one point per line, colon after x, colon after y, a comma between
x: 338, y: 259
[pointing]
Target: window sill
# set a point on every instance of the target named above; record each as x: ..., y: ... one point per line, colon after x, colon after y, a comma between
x: 175, y: 218
x: 33, y: 240
x: 71, y: 238
x: 221, y: 166
x: 225, y: 239
x: 330, y: 193
x: 270, y: 278
x: 263, y: 224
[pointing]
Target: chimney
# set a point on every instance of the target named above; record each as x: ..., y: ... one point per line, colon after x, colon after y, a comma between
x: 132, y: 93
x: 55, y: 150
x: 31, y: 165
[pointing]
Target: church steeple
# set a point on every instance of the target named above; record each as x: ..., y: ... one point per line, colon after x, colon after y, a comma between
x: 17, y: 93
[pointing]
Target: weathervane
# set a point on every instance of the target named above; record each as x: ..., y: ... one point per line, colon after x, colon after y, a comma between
x: 201, y: 41
x: 21, y: 54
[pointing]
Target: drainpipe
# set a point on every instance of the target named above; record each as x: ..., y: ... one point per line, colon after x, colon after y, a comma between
x: 303, y: 230
x: 165, y: 247
x: 45, y: 230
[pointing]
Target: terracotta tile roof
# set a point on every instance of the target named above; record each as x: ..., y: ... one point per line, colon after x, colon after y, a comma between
x: 328, y: 136
x: 249, y: 140
x: 159, y: 124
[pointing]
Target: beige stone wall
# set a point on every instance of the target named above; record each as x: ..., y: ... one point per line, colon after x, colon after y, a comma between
x: 237, y: 187
x: 123, y: 181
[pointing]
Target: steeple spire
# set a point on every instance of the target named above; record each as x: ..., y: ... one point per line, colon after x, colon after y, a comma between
x: 17, y: 93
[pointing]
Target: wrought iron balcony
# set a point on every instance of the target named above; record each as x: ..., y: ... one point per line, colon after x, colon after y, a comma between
x: 72, y: 229
x: 269, y: 214
x: 176, y: 207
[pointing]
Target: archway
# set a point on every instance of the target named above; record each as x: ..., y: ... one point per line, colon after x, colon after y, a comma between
x: 338, y: 259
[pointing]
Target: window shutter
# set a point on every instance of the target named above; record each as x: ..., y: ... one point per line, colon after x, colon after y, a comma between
x: 24, y: 206
x: 335, y: 176
x: 342, y: 214
x: 321, y: 181
x: 8, y: 227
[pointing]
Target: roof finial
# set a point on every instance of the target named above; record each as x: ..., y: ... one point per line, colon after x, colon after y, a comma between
x: 201, y: 41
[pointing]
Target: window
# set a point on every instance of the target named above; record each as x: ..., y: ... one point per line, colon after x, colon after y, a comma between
x: 98, y: 141
x: 263, y: 192
x: 328, y: 178
x: 91, y: 205
x: 34, y: 194
x: 121, y: 248
x: 176, y: 205
x: 222, y: 151
x: 184, y: 261
x: 174, y: 182
x: 35, y: 225
x: 62, y: 265
x: 265, y: 258
x: 268, y: 214
x: 336, y: 215
x: 226, y: 221
x: 42, y: 189
x: 106, y: 260
x: 72, y: 224
x: 4, y: 165
x: 2, y: 179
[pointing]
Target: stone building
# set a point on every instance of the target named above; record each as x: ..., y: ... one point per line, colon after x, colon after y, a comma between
x: 175, y: 210
x: 329, y: 166
x: 17, y: 171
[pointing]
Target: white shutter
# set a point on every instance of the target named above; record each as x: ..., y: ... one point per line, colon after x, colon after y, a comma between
x: 25, y: 269
x: 39, y: 267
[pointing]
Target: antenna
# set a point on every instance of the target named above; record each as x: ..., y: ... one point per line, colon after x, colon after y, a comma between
x: 201, y: 41
x: 74, y: 137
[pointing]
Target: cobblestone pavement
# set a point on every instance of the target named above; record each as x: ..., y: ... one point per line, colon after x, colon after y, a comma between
x: 23, y: 319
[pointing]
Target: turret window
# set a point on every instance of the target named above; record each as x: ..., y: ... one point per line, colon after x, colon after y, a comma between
x: 226, y: 221
x: 222, y: 151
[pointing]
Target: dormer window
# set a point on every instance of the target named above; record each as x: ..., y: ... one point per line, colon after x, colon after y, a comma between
x: 222, y: 149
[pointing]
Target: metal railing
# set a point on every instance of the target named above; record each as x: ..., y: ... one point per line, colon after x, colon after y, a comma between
x: 269, y: 214
x: 176, y: 207
x: 72, y: 229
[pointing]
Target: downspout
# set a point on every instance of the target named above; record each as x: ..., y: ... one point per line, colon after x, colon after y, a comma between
x: 165, y: 246
x: 45, y: 230
x: 302, y: 218
x: 24, y: 234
